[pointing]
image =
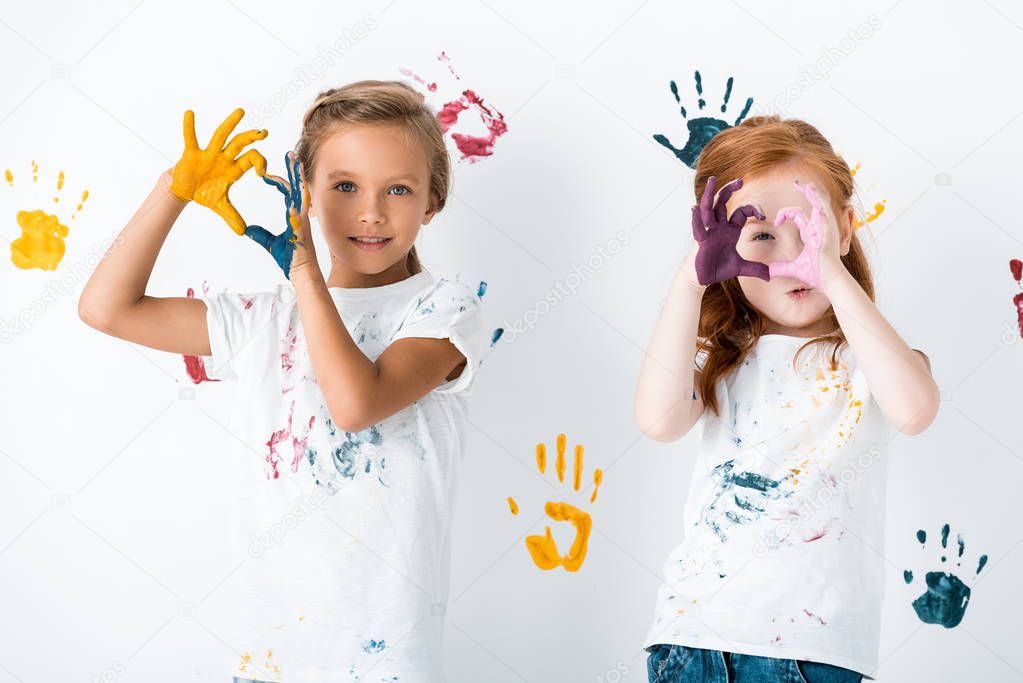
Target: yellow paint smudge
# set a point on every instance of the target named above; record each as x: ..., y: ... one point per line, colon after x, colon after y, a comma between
x: 35, y: 171
x: 879, y: 208
x: 598, y: 477
x: 542, y: 549
x: 577, y: 470
x: 269, y: 665
x: 60, y: 180
x: 41, y: 244
x: 9, y: 177
x: 81, y: 203
x: 559, y: 463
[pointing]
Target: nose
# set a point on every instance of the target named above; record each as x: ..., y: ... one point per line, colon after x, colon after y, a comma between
x: 370, y: 212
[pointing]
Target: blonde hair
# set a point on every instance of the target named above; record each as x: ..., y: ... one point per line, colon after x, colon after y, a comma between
x: 379, y: 102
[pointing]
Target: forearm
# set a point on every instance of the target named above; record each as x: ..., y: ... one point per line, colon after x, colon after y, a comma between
x: 664, y: 404
x: 119, y: 280
x: 897, y: 375
x: 346, y: 376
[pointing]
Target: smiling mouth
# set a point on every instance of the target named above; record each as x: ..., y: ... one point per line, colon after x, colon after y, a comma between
x: 800, y: 289
x: 370, y: 242
x: 369, y: 239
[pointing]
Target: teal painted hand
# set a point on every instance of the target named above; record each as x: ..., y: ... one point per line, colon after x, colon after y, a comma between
x: 282, y: 246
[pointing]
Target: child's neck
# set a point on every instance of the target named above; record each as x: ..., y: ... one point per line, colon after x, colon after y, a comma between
x: 344, y: 276
x: 810, y: 331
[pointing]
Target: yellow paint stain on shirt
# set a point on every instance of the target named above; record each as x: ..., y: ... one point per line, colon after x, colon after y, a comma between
x: 513, y: 506
x: 35, y: 171
x: 268, y: 666
x: 41, y: 244
x: 9, y: 177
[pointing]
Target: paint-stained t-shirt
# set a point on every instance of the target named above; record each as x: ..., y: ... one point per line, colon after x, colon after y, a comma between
x: 784, y: 521
x: 345, y: 537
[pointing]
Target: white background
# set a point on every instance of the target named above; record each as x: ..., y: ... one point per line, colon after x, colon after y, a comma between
x: 111, y: 532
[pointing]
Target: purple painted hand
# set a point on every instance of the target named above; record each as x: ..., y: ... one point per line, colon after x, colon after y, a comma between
x: 806, y: 266
x: 717, y: 259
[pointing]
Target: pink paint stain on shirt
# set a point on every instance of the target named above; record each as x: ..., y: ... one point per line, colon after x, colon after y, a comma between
x: 290, y: 344
x: 194, y: 366
x: 299, y: 444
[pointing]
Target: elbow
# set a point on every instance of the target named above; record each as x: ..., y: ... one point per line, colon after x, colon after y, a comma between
x: 350, y: 415
x: 922, y: 418
x: 656, y: 429
x: 92, y: 316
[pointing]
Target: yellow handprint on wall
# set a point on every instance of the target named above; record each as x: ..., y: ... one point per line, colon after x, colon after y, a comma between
x: 206, y: 175
x: 543, y: 549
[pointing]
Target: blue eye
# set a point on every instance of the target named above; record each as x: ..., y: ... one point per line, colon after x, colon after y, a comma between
x: 346, y: 186
x: 756, y: 235
x: 405, y: 190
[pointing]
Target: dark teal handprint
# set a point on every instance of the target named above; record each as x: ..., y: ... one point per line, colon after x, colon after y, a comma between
x: 701, y: 130
x: 282, y: 246
x: 947, y: 596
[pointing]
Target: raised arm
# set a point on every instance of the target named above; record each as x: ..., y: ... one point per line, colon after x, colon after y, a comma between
x: 667, y: 404
x: 114, y: 300
x: 665, y: 408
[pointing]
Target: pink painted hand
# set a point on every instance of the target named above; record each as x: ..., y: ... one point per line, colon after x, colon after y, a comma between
x: 819, y: 234
x: 717, y: 235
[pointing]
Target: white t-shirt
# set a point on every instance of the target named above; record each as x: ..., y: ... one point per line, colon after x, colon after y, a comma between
x: 784, y: 522
x: 346, y: 535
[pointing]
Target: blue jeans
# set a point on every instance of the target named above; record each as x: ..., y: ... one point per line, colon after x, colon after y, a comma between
x: 681, y: 664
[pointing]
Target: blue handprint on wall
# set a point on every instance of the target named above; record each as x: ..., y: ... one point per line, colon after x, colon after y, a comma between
x: 947, y: 596
x: 702, y: 129
x: 282, y: 246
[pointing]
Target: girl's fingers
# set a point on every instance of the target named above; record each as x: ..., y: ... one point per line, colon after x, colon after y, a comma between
x: 252, y: 159
x: 699, y: 233
x: 243, y: 140
x: 743, y: 213
x: 278, y: 182
x: 754, y: 269
x: 790, y: 213
x: 189, y: 130
x: 723, y: 197
x: 707, y: 201
x: 225, y: 128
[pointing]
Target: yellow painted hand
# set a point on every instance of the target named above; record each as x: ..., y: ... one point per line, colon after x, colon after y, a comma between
x: 205, y: 175
x: 543, y: 549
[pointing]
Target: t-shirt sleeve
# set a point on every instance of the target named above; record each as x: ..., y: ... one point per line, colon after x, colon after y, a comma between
x: 449, y: 310
x: 239, y: 326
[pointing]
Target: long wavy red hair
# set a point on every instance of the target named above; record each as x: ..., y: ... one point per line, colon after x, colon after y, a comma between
x: 729, y: 325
